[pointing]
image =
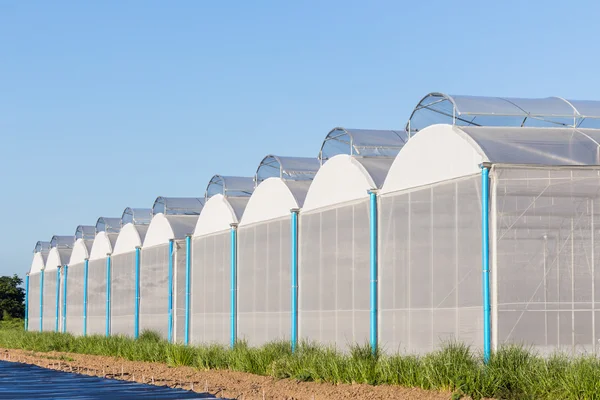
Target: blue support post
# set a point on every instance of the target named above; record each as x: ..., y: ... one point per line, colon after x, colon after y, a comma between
x: 188, y: 271
x: 136, y: 316
x: 26, y: 301
x: 42, y: 301
x: 233, y: 300
x: 373, y: 268
x: 294, y: 274
x: 485, y: 245
x: 108, y: 264
x: 171, y: 243
x: 64, y: 306
x: 85, y: 295
x: 57, y: 313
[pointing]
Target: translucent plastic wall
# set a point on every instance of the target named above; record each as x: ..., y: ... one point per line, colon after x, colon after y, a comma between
x: 74, y: 317
x: 546, y: 245
x: 96, y: 313
x: 154, y: 289
x: 179, y: 290
x: 33, y: 308
x: 50, y: 281
x: 264, y: 283
x: 210, y: 280
x: 430, y: 267
x: 122, y: 292
x: 334, y: 275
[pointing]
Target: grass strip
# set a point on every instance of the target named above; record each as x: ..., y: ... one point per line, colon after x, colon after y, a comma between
x: 513, y: 372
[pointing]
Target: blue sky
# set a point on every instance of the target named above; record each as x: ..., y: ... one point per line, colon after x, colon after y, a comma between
x: 109, y: 104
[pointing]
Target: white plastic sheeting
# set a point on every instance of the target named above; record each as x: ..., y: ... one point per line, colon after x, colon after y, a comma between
x: 210, y: 280
x: 430, y: 266
x: 74, y: 315
x: 154, y: 289
x: 50, y: 282
x: 179, y: 291
x: 264, y: 282
x: 96, y: 312
x: 33, y: 308
x: 545, y: 241
x: 334, y: 274
x: 122, y: 274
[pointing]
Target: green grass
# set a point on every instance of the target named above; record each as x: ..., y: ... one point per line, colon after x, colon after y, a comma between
x: 513, y: 372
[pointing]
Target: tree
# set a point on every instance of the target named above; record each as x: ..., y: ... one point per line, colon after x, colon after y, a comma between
x: 12, y: 297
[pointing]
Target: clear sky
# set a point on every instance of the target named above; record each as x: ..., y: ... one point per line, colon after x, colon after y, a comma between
x: 109, y: 104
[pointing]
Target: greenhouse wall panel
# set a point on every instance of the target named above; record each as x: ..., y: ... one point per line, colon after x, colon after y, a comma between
x: 179, y: 290
x: 74, y: 317
x: 154, y: 289
x: 546, y: 244
x: 430, y: 267
x: 33, y: 310
x: 49, y: 319
x: 123, y: 294
x: 96, y: 312
x: 264, y: 282
x: 334, y: 275
x: 210, y: 289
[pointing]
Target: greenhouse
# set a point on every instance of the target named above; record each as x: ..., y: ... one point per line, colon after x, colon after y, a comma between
x: 162, y: 271
x: 213, y: 259
x: 60, y: 253
x: 124, y: 276
x: 334, y: 261
x: 33, y: 284
x: 267, y: 233
x: 475, y: 223
x: 73, y: 278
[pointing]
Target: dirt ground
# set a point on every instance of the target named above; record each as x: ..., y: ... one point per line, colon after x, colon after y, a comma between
x: 220, y: 383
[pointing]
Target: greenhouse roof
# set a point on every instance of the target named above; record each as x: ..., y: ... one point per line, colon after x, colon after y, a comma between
x: 108, y: 225
x: 443, y: 152
x: 229, y: 186
x: 362, y: 142
x: 62, y: 242
x: 136, y: 216
x: 42, y: 247
x: 287, y: 168
x: 85, y: 232
x: 436, y: 108
x: 177, y: 205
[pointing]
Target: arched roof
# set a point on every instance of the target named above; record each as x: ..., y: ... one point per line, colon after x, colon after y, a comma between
x: 442, y: 152
x: 177, y: 205
x: 274, y: 198
x: 441, y: 108
x: 130, y: 237
x: 60, y: 252
x: 166, y: 227
x: 136, y: 216
x: 219, y: 213
x: 229, y: 186
x: 81, y: 251
x: 85, y: 232
x: 42, y: 247
x: 103, y: 244
x: 287, y: 168
x: 62, y: 242
x: 362, y: 142
x: 345, y: 178
x: 40, y: 255
x: 108, y: 225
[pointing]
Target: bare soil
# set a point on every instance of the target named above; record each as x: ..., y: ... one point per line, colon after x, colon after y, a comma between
x: 220, y: 383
